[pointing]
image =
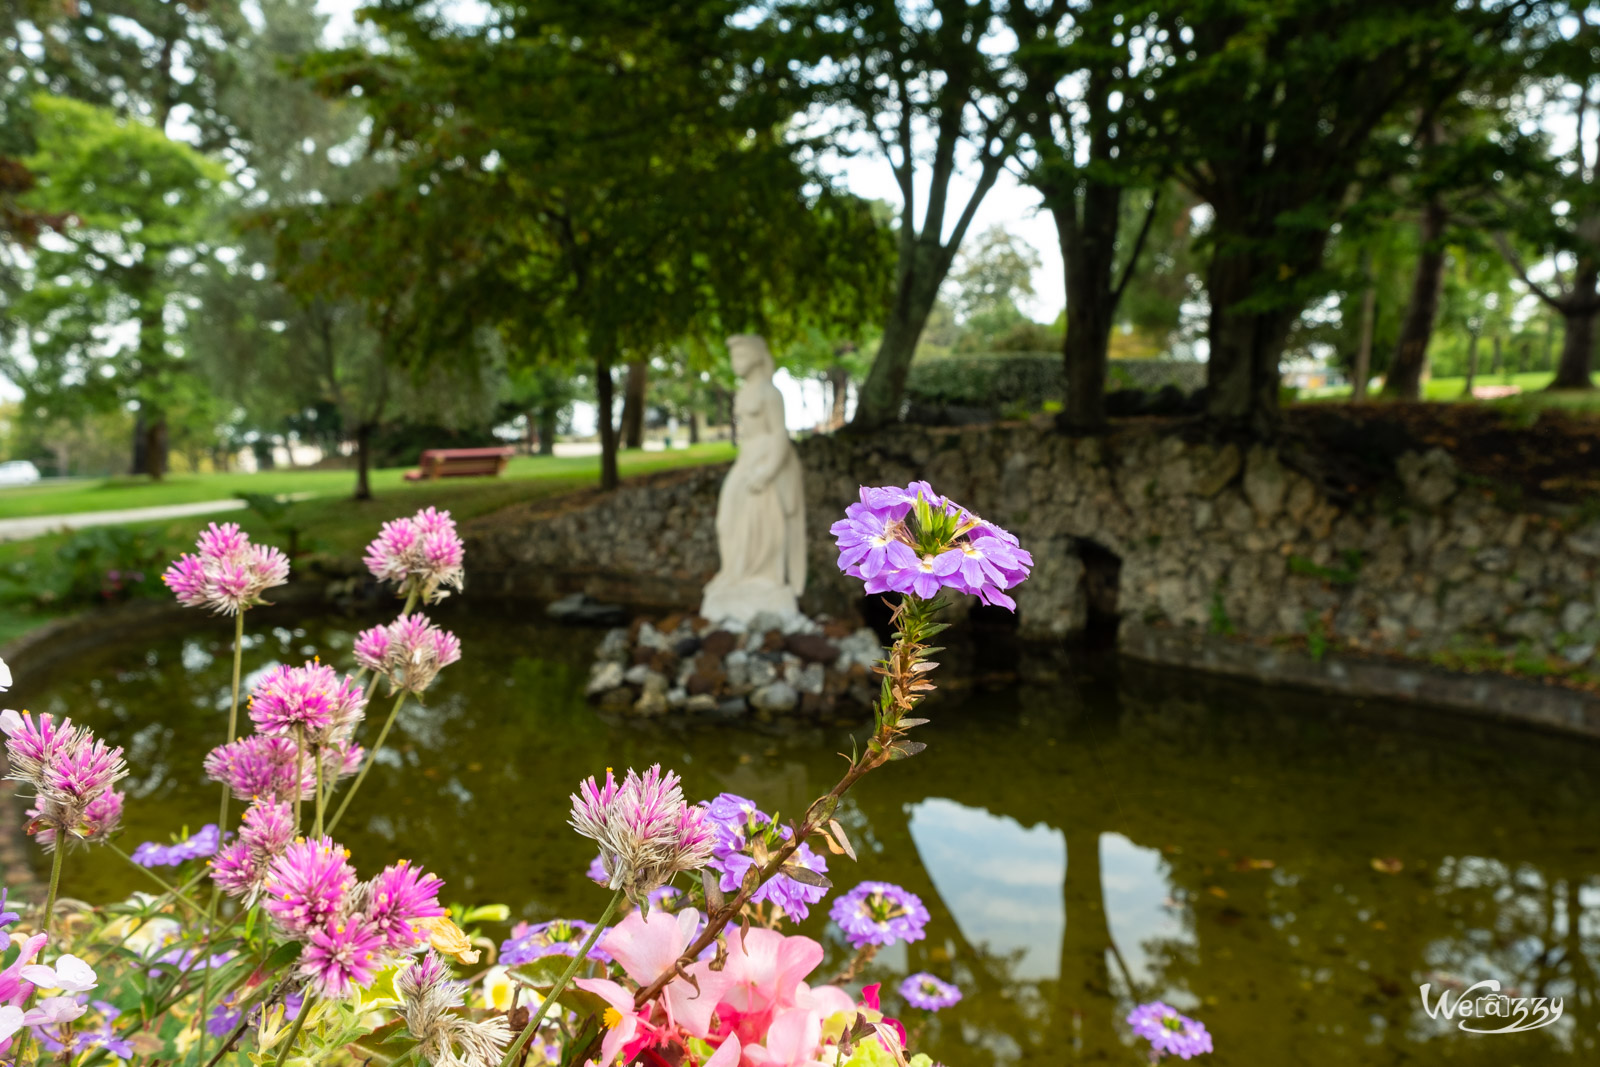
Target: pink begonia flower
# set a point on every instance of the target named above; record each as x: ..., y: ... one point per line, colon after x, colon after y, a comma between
x: 627, y: 1031
x: 765, y: 971
x: 648, y: 947
x: 728, y: 1055
x: 792, y: 1041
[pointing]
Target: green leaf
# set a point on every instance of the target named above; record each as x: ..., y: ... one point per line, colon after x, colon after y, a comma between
x: 487, y: 913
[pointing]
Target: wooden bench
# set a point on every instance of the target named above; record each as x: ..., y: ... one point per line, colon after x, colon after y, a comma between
x: 460, y: 463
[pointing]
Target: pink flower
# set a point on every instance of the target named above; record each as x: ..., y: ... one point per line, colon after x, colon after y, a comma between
x: 265, y: 832
x: 257, y: 766
x: 313, y: 698
x: 410, y: 652
x: 422, y: 554
x: 766, y: 972
x: 307, y: 885
x: 648, y: 947
x: 792, y: 1040
x: 227, y: 573
x: 342, y: 955
x: 397, y: 899
x: 646, y: 833
x: 72, y: 774
x: 628, y: 1032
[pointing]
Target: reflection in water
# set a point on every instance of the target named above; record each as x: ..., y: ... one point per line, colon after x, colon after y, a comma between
x: 1001, y: 881
x: 1082, y: 842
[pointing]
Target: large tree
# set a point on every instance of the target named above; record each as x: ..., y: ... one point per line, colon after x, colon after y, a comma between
x: 622, y: 188
x: 108, y: 293
x: 1083, y: 72
x: 1274, y: 112
x: 924, y: 84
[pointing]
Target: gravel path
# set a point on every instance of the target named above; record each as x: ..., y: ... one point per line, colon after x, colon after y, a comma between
x: 22, y: 529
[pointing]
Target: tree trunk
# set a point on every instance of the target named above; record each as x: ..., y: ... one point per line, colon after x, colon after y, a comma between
x: 605, y: 393
x: 1577, y: 348
x: 1088, y: 254
x: 549, y: 415
x: 1242, y: 368
x: 1472, y: 364
x: 1411, y: 351
x: 1369, y: 322
x: 363, y: 461
x: 692, y: 417
x: 839, y: 384
x: 878, y: 402
x: 1549, y: 339
x: 530, y: 439
x: 155, y: 448
x: 1084, y: 986
x: 1499, y: 357
x: 139, y: 464
x: 633, y: 404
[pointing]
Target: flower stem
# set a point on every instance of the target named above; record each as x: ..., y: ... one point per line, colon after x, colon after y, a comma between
x: 561, y: 983
x: 172, y: 891
x: 299, y: 774
x: 299, y: 1023
x: 316, y: 758
x: 55, y: 883
x: 154, y: 909
x: 233, y: 712
x: 372, y: 757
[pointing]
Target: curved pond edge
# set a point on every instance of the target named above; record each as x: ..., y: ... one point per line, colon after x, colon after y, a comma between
x: 1543, y: 704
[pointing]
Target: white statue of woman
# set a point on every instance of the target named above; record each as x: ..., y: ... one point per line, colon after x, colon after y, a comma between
x: 761, y: 523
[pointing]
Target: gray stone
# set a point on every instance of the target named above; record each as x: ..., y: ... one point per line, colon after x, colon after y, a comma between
x: 1574, y: 615
x: 614, y: 645
x: 1264, y: 483
x: 812, y: 678
x: 604, y: 675
x: 1217, y: 471
x: 762, y: 671
x: 1586, y: 540
x: 651, y: 638
x: 651, y: 702
x: 641, y: 674
x: 1578, y: 655
x: 677, y: 696
x: 701, y: 703
x: 1430, y: 478
x: 737, y: 664
x: 776, y: 696
x: 582, y: 609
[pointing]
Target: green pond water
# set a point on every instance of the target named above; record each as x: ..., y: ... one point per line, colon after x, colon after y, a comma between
x: 1092, y: 835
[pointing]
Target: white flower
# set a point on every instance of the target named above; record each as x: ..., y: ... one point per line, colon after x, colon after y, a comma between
x: 10, y: 1021
x: 10, y: 722
x: 498, y: 989
x: 70, y: 975
x: 5, y: 676
x: 54, y: 1011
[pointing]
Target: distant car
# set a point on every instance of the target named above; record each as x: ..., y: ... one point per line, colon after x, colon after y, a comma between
x: 18, y: 472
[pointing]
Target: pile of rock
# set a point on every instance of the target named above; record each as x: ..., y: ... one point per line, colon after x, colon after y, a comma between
x: 774, y: 666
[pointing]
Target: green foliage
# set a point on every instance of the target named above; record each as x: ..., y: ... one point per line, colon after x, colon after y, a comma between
x: 1220, y: 623
x: 1027, y: 381
x: 103, y: 564
x: 1345, y: 575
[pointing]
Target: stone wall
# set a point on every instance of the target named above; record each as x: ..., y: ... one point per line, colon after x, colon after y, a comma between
x: 1210, y: 537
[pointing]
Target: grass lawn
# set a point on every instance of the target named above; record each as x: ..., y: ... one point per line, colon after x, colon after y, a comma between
x: 1532, y: 384
x: 328, y: 525
x: 111, y: 494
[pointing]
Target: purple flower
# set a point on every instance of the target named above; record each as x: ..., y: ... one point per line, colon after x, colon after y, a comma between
x: 558, y: 937
x: 226, y: 573
x: 597, y: 870
x: 6, y: 917
x: 410, y: 652
x: 197, y: 846
x: 647, y: 834
x: 880, y: 913
x: 738, y: 823
x: 923, y: 990
x: 916, y: 542
x: 307, y: 885
x: 313, y: 699
x: 1169, y: 1033
x: 421, y: 554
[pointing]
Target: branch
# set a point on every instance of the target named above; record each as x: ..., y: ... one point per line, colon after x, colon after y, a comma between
x: 1515, y: 262
x: 1138, y: 246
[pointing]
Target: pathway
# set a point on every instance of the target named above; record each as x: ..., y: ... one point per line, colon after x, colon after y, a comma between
x: 22, y: 529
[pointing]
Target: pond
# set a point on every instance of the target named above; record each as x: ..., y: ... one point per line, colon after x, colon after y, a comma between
x: 1289, y: 867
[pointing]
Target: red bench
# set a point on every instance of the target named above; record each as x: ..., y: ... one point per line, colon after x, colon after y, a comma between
x: 460, y: 463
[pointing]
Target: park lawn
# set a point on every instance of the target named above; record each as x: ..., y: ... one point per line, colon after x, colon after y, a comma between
x: 329, y: 526
x: 115, y: 494
x: 1532, y: 397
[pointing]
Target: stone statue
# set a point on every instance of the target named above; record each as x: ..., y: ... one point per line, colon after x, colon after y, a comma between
x: 761, y: 522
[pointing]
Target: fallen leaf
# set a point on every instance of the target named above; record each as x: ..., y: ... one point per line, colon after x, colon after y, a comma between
x: 1245, y: 863
x: 1389, y: 865
x: 1217, y: 891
